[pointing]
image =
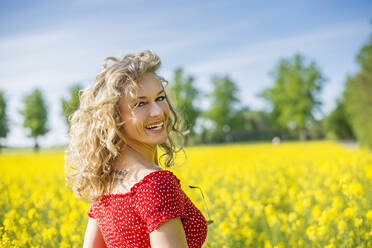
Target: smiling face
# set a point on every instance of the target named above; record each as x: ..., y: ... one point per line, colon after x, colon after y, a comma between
x: 147, y: 121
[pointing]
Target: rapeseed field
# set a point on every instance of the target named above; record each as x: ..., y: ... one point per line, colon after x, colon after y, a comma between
x: 313, y: 194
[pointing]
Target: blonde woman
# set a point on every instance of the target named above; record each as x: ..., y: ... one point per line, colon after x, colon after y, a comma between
x: 111, y: 160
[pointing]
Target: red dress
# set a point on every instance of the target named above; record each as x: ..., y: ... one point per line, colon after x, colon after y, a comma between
x: 125, y: 220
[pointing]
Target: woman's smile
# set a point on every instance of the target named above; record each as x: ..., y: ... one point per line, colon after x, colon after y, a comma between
x: 156, y: 127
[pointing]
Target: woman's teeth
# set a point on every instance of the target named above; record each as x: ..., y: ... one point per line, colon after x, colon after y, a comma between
x: 156, y: 127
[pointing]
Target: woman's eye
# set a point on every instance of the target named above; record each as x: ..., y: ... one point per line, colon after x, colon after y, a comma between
x: 140, y: 104
x: 160, y: 98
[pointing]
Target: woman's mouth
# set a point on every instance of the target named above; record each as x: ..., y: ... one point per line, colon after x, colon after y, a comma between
x: 156, y: 127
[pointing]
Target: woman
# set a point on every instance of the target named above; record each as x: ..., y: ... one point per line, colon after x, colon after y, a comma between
x: 112, y: 160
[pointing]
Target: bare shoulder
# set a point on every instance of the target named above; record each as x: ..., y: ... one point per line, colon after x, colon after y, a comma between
x: 125, y: 184
x: 144, y: 172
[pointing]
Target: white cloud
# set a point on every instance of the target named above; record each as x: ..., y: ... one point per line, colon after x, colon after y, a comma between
x: 250, y: 65
x: 273, y: 49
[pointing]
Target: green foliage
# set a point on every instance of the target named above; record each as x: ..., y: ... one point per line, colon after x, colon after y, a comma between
x: 337, y: 123
x: 253, y: 125
x: 182, y: 94
x: 4, y: 128
x: 358, y: 98
x: 35, y: 115
x: 316, y: 130
x: 295, y: 94
x: 69, y: 106
x: 223, y: 111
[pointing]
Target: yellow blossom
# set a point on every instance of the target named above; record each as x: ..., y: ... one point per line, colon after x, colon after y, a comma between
x: 341, y: 226
x: 349, y: 213
x: 311, y: 194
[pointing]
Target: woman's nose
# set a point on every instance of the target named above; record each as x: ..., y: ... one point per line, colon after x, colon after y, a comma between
x: 155, y: 109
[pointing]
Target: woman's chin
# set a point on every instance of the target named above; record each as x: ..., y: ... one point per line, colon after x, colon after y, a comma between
x: 156, y: 140
x: 159, y: 142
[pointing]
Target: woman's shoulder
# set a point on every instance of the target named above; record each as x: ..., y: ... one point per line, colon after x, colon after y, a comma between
x: 158, y: 176
x: 157, y: 180
x: 137, y: 180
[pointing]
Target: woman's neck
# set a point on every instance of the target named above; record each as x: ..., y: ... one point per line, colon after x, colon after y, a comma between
x: 134, y: 155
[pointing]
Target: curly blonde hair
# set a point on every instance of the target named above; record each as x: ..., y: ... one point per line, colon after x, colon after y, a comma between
x: 95, y: 136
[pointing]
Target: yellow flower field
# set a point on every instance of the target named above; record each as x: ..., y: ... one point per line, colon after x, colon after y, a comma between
x: 314, y: 194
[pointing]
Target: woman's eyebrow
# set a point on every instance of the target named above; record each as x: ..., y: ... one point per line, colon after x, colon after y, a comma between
x: 144, y: 97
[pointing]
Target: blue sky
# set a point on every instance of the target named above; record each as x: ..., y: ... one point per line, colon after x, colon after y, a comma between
x: 54, y: 44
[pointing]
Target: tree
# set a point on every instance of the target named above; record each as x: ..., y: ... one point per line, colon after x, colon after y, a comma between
x: 358, y: 93
x: 337, y: 123
x: 252, y: 125
x: 35, y: 116
x: 317, y: 130
x: 223, y: 109
x: 295, y: 94
x: 4, y: 128
x: 69, y: 106
x: 182, y: 94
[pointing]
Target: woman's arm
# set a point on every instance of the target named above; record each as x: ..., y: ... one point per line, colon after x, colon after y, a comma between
x: 170, y: 234
x: 93, y: 236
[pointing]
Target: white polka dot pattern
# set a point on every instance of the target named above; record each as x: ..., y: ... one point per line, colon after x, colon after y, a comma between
x: 126, y: 220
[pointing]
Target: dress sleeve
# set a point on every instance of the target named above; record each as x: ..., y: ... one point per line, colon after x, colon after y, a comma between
x: 91, y: 212
x: 159, y: 198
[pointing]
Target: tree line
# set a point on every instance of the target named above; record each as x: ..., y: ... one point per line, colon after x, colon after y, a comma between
x: 294, y: 98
